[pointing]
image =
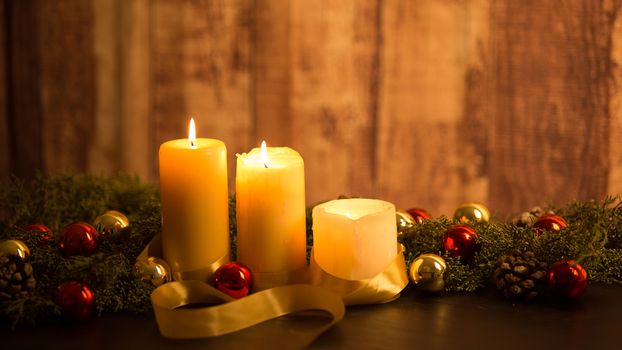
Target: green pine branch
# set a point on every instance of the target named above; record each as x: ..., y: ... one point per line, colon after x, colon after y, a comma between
x: 594, y: 237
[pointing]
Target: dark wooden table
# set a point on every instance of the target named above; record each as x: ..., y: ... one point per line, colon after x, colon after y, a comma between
x: 480, y: 321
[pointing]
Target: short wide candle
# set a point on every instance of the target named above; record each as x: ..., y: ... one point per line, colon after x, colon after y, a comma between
x: 354, y: 238
x: 195, y: 216
x: 270, y: 203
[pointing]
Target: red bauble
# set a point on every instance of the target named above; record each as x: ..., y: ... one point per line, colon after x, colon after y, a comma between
x: 567, y: 279
x: 78, y: 239
x: 419, y: 215
x: 553, y: 223
x: 461, y: 241
x: 44, y: 232
x: 76, y: 300
x: 234, y: 279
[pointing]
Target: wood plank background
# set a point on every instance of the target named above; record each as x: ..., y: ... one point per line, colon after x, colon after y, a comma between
x: 424, y: 103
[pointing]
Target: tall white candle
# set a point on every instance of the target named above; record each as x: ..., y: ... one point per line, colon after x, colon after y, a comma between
x: 354, y: 238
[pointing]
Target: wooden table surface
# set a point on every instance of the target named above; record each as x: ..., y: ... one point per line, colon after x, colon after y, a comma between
x: 480, y: 321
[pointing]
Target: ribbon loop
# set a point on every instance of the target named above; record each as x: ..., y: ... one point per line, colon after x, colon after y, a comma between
x: 236, y: 315
x: 177, y: 319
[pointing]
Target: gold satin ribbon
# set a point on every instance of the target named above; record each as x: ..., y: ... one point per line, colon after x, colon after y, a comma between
x: 154, y: 248
x: 319, y: 291
x: 235, y: 315
x: 382, y: 288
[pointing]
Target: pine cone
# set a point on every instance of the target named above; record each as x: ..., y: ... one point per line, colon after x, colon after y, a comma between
x: 528, y: 218
x: 16, y: 279
x: 520, y: 276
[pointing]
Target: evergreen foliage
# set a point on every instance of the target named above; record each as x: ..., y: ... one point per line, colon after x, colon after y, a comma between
x: 594, y: 238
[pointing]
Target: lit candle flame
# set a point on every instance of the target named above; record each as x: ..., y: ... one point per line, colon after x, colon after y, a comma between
x: 192, y: 134
x: 263, y: 155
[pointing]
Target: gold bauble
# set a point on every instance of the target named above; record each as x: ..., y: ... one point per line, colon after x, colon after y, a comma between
x: 111, y: 223
x: 472, y: 212
x: 154, y: 270
x: 14, y: 247
x: 426, y: 273
x: 404, y: 222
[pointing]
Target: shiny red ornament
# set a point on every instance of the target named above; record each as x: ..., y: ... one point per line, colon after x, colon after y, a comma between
x: 44, y: 232
x: 78, y: 238
x: 567, y: 279
x: 461, y: 241
x: 419, y: 215
x: 234, y: 279
x: 552, y: 223
x: 76, y: 300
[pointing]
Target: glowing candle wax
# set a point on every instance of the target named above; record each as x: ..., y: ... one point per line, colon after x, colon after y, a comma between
x: 354, y: 238
x: 270, y: 191
x: 194, y: 195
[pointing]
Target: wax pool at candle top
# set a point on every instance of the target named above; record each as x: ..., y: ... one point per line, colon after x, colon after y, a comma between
x: 356, y: 208
x: 203, y: 144
x: 280, y: 157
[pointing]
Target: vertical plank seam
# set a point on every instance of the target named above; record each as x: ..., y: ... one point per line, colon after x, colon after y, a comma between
x: 32, y: 165
x: 120, y: 93
x: 252, y: 88
x: 9, y: 93
x: 6, y: 32
x: 375, y: 96
x: 153, y: 161
x: 491, y: 92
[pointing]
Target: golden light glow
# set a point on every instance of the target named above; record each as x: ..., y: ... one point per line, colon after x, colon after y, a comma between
x: 263, y: 156
x: 192, y: 134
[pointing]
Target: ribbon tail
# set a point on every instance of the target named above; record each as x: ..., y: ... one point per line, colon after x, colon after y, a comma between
x: 184, y: 323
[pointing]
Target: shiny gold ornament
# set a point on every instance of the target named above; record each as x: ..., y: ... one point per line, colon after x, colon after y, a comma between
x: 472, y: 212
x: 15, y: 247
x: 154, y: 270
x: 404, y: 221
x: 111, y: 223
x: 426, y: 273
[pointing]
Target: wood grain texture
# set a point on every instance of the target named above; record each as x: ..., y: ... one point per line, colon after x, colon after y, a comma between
x: 425, y: 157
x: 424, y: 103
x: 135, y: 79
x: 333, y: 46
x: 271, y: 73
x: 121, y: 48
x: 615, y: 105
x: 168, y: 110
x: 67, y: 86
x: 551, y: 111
x: 5, y: 150
x: 24, y: 93
x: 203, y: 70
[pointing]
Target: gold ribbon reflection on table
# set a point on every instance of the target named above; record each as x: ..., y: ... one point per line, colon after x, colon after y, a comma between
x: 315, y: 289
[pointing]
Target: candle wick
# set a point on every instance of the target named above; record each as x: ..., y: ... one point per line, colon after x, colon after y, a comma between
x: 265, y: 165
x: 191, y: 143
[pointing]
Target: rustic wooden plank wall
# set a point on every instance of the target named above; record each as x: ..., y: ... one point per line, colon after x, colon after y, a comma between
x: 425, y: 103
x: 552, y: 92
x: 615, y: 106
x: 431, y: 140
x: 5, y: 160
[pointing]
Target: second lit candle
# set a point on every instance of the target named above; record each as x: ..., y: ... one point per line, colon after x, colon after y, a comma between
x: 270, y: 204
